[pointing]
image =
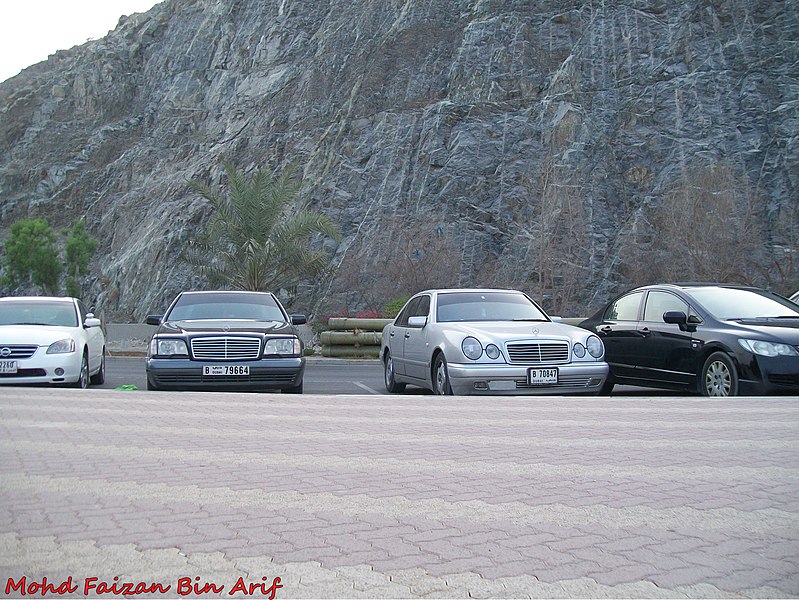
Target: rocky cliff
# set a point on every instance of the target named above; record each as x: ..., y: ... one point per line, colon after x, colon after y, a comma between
x: 519, y: 142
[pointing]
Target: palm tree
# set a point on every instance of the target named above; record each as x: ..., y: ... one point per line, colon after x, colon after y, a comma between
x: 258, y: 239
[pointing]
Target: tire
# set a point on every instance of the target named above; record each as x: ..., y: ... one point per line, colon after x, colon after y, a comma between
x: 441, y: 385
x: 719, y: 377
x: 83, y: 378
x: 99, y: 377
x: 151, y: 386
x: 294, y: 390
x: 388, y: 376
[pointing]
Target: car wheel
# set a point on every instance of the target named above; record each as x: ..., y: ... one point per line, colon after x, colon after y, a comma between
x: 441, y: 384
x: 83, y: 378
x: 294, y: 390
x: 719, y: 377
x: 388, y: 376
x: 99, y: 377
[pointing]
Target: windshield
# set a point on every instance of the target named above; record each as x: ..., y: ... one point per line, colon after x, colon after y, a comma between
x: 59, y: 314
x: 487, y: 306
x: 252, y: 307
x: 728, y: 303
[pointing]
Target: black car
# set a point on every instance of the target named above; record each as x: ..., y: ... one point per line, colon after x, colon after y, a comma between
x: 228, y: 341
x: 718, y: 340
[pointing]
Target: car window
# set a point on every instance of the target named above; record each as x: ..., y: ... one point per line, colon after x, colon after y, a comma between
x: 487, y: 306
x: 732, y: 303
x: 255, y: 307
x: 60, y: 314
x: 408, y: 311
x: 625, y: 308
x: 423, y: 308
x: 658, y: 303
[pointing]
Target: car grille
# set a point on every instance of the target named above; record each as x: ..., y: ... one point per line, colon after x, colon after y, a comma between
x: 573, y: 381
x: 19, y: 351
x: 226, y: 348
x: 538, y: 352
x: 24, y: 373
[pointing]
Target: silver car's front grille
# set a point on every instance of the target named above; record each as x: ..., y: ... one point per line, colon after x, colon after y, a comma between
x: 538, y: 352
x: 226, y: 348
x: 17, y: 351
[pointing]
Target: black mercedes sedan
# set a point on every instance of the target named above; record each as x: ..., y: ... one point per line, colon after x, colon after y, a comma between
x: 226, y: 340
x: 718, y: 340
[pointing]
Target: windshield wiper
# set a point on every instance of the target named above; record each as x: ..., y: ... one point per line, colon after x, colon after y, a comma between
x: 31, y: 323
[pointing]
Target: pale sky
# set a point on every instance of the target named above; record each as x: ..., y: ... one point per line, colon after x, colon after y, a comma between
x: 31, y: 30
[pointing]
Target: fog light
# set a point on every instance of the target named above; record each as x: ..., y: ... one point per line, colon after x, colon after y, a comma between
x: 59, y: 371
x: 481, y: 385
x: 594, y: 381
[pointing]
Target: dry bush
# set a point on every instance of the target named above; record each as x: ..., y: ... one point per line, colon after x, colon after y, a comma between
x: 709, y: 227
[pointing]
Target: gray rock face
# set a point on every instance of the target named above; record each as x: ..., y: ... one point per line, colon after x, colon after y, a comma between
x: 526, y: 133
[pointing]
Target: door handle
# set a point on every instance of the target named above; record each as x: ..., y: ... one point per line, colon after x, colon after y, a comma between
x: 407, y: 334
x: 645, y: 332
x: 606, y: 329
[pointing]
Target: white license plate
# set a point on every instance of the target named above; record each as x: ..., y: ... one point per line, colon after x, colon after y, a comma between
x: 542, y: 376
x: 8, y: 366
x: 222, y: 370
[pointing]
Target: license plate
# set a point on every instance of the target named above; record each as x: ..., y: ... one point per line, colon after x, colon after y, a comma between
x: 542, y: 376
x: 222, y: 370
x: 8, y: 366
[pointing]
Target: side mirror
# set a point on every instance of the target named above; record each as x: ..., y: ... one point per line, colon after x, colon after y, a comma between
x: 299, y: 319
x: 91, y: 321
x: 417, y: 322
x: 678, y: 317
x: 153, y: 319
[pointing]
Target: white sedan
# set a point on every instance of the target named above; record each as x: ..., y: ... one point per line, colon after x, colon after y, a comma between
x: 50, y: 340
x: 493, y: 342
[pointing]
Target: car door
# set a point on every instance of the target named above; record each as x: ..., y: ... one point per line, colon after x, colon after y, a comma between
x: 619, y: 332
x: 668, y: 355
x: 396, y: 336
x: 416, y: 349
x: 94, y: 341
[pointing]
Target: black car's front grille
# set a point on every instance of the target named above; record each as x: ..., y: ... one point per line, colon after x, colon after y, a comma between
x: 791, y: 380
x: 226, y: 348
x: 538, y: 352
x: 17, y: 351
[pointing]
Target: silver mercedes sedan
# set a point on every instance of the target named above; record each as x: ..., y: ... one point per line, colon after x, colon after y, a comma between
x: 488, y: 342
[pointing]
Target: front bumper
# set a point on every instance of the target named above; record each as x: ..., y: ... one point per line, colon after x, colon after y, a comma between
x: 265, y: 374
x: 763, y: 376
x: 511, y: 380
x: 41, y: 369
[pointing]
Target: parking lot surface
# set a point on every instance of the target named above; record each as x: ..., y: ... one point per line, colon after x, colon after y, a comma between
x: 248, y: 495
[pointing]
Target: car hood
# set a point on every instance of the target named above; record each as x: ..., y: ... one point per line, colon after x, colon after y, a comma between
x: 41, y: 335
x: 785, y: 330
x: 516, y: 329
x: 217, y: 326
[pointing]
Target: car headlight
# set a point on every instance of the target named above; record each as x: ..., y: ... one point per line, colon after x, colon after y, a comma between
x: 579, y: 350
x: 595, y: 346
x: 168, y: 347
x: 62, y: 346
x: 472, y: 348
x: 768, y: 348
x: 283, y: 346
x: 492, y: 352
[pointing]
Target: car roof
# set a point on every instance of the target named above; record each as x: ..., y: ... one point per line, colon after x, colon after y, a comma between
x: 198, y: 292
x: 474, y: 290
x: 694, y: 285
x: 38, y: 298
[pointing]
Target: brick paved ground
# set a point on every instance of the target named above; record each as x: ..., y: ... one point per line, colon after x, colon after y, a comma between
x: 403, y: 496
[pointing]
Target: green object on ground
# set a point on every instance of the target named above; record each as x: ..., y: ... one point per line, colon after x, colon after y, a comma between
x: 127, y: 388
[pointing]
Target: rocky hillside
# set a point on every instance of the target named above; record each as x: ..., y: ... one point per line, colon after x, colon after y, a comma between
x: 467, y: 141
